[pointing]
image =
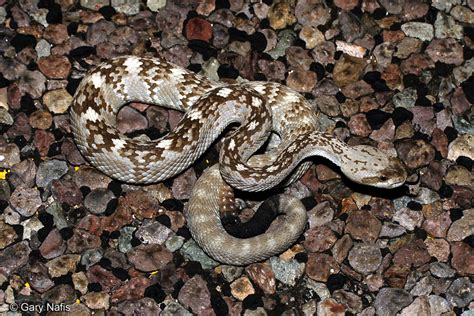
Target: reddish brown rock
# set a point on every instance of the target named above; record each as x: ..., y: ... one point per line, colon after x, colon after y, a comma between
x: 445, y: 50
x: 437, y: 226
x: 359, y: 125
x: 56, y: 33
x: 319, y: 239
x: 301, y: 80
x: 53, y: 246
x: 415, y: 153
x: 41, y: 119
x: 346, y: 5
x: 463, y: 258
x: 82, y: 241
x: 396, y: 275
x: 43, y: 141
x: 195, y: 295
x: 105, y: 278
x: 363, y: 225
x: 413, y: 253
x: 416, y: 63
x: 55, y: 67
x: 66, y: 191
x: 198, y: 29
x: 149, y: 257
x: 320, y: 266
x: 262, y: 275
x: 132, y: 290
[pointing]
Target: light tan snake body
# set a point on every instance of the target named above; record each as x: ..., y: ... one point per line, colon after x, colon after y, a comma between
x: 210, y: 107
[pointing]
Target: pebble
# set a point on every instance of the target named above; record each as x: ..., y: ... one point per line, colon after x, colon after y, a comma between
x: 80, y: 281
x: 407, y: 218
x: 461, y: 146
x: 91, y: 257
x: 461, y: 292
x: 280, y: 16
x: 94, y: 4
x: 54, y: 67
x: 195, y: 295
x: 462, y: 257
x: 438, y: 305
x: 149, y: 257
x: 362, y: 225
x: 82, y: 241
x: 9, y: 155
x: 25, y: 201
x: 462, y: 227
x: 263, y: 276
x: 365, y: 258
x: 50, y: 170
x: 14, y: 257
x: 311, y: 36
x: 53, y: 245
x: 320, y: 266
x: 463, y: 14
x: 420, y: 30
x: 230, y: 273
x: 97, y: 300
x: 241, y: 288
x: 183, y: 184
x: 152, y: 232
x: 155, y: 5
x: 287, y: 272
x: 413, y: 253
x: 97, y: 200
x: 198, y: 29
x: 301, y: 80
x: 57, y: 101
x: 192, y: 252
x: 32, y: 82
x: 446, y: 50
x: 312, y: 13
x: 127, y: 7
x: 319, y: 239
x: 389, y: 301
x: 330, y: 306
x: 7, y: 235
x: 348, y: 69
x: 420, y: 306
x: 445, y: 26
x: 62, y: 265
x: 174, y: 308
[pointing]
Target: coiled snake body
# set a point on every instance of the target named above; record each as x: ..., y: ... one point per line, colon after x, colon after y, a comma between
x: 210, y: 107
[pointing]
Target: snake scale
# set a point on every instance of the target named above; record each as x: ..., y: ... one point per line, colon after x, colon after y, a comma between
x: 258, y: 108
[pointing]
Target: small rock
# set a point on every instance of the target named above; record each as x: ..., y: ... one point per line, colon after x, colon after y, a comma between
x: 365, y: 258
x: 127, y: 7
x: 348, y: 69
x: 320, y: 266
x: 150, y: 257
x: 462, y: 14
x: 183, y: 184
x: 438, y: 225
x: 461, y: 146
x: 389, y: 301
x: 413, y: 253
x: 363, y: 225
x: 330, y: 306
x: 53, y: 246
x: 319, y: 239
x: 7, y: 235
x: 312, y: 36
x: 287, y: 272
x: 14, y: 257
x: 446, y: 50
x: 198, y: 29
x: 462, y: 227
x: 33, y: 83
x: 441, y: 270
x: 280, y: 16
x: 41, y: 119
x: 438, y: 248
x: 57, y: 101
x: 463, y: 257
x: 62, y: 265
x: 312, y: 13
x: 50, y: 170
x: 80, y: 282
x: 9, y: 155
x: 97, y: 300
x: 97, y: 200
x: 55, y: 67
x: 445, y: 26
x: 438, y: 305
x: 82, y: 241
x: 461, y: 292
x: 263, y: 276
x: 420, y: 306
x: 25, y: 201
x: 422, y: 31
x: 195, y: 295
x: 94, y: 4
x: 301, y: 80
x: 241, y: 288
x: 153, y: 232
x: 415, y: 153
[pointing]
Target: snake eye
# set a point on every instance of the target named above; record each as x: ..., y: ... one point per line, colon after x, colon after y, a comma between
x: 383, y: 178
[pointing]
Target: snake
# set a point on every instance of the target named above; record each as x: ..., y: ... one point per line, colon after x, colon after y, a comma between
x: 248, y: 113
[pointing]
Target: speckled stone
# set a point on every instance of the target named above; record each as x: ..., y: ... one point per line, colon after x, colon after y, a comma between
x: 414, y: 253
x: 461, y: 146
x: 312, y: 13
x: 62, y: 265
x: 153, y: 232
x: 446, y: 50
x: 7, y: 235
x: 195, y: 295
x: 461, y: 292
x: 53, y: 245
x: 281, y: 15
x: 422, y: 31
x: 319, y: 239
x: 363, y: 225
x: 25, y: 201
x: 262, y: 275
x: 241, y: 288
x: 415, y: 153
x: 365, y: 258
x: 149, y: 257
x: 391, y: 300
x: 287, y: 271
x: 54, y: 67
x: 9, y: 155
x: 348, y: 69
x: 320, y: 266
x: 198, y: 29
x: 462, y: 259
x: 50, y: 170
x: 57, y: 101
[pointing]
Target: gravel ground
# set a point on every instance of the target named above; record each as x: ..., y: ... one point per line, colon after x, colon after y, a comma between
x: 396, y: 74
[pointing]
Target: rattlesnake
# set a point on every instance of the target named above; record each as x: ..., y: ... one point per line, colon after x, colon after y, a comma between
x: 210, y: 107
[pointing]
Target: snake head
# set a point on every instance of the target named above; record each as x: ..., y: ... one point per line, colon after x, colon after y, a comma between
x: 370, y: 166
